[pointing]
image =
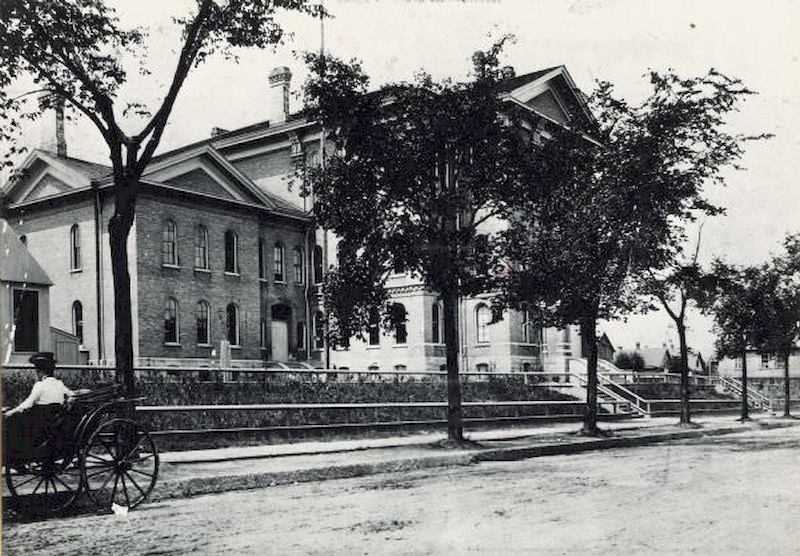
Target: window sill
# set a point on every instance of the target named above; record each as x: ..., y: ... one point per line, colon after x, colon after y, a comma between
x: 280, y: 282
x: 172, y: 344
x: 202, y: 270
x: 172, y: 266
x: 483, y: 344
x: 236, y: 347
x: 75, y: 270
x: 233, y: 274
x: 263, y: 280
x: 204, y: 345
x: 374, y: 347
x: 400, y: 346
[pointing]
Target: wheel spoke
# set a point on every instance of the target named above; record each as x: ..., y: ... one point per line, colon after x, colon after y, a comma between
x: 25, y: 482
x: 104, y: 470
x: 141, y: 472
x: 114, y: 490
x: 125, y: 490
x: 37, y: 485
x: 144, y: 494
x: 105, y: 483
x: 57, y: 478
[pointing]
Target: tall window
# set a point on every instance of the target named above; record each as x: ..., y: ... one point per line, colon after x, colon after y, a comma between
x: 319, y: 330
x: 483, y: 316
x: 201, y: 247
x: 436, y: 335
x: 26, y: 320
x: 531, y: 331
x: 201, y: 312
x: 400, y: 318
x: 171, y: 324
x: 277, y: 261
x: 169, y: 244
x: 75, y: 248
x: 232, y: 313
x: 374, y: 328
x: 301, y: 335
x: 263, y: 334
x: 77, y: 320
x: 231, y: 252
x: 262, y: 260
x: 297, y: 265
x: 317, y: 264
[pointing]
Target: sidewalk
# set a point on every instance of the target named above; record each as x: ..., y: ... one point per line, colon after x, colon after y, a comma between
x: 197, y: 472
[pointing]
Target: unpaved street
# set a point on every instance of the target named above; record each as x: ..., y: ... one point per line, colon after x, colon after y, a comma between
x: 736, y: 494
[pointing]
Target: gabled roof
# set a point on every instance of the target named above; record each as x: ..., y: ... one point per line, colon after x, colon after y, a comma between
x: 16, y: 262
x: 520, y: 80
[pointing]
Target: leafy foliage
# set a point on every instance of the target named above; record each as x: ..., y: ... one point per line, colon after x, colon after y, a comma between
x: 607, y: 213
x: 414, y: 171
x: 629, y: 361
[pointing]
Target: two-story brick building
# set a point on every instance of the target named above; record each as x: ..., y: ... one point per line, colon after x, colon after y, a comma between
x: 223, y: 249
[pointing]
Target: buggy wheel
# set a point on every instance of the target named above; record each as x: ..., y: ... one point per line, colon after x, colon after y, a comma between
x: 120, y: 464
x: 43, y: 488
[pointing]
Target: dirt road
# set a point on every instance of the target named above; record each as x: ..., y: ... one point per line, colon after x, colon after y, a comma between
x: 737, y: 494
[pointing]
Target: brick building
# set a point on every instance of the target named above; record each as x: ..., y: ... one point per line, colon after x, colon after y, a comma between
x: 223, y: 249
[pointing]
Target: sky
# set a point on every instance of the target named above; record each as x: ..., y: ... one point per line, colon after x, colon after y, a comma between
x: 611, y: 40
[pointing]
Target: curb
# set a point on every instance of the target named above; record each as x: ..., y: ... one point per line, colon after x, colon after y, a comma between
x: 196, y: 486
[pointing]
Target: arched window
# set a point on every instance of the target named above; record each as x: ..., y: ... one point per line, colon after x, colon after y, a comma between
x: 319, y: 330
x: 201, y: 247
x: 277, y: 261
x: 400, y: 368
x: 262, y: 259
x: 374, y: 327
x: 483, y: 316
x: 201, y: 312
x: 77, y: 320
x: 169, y: 244
x: 171, y: 324
x: 75, y: 248
x: 232, y: 318
x: 436, y: 327
x: 399, y: 319
x: 231, y: 252
x: 317, y: 264
x: 301, y: 335
x: 297, y: 265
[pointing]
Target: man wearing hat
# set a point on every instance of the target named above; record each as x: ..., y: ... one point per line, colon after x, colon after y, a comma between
x: 40, y: 409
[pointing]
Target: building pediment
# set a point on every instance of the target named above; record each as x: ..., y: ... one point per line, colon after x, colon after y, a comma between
x: 551, y: 94
x: 43, y: 175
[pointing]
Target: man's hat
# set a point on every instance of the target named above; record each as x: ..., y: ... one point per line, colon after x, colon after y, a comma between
x: 43, y: 360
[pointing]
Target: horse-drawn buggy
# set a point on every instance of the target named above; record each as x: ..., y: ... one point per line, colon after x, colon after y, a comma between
x: 91, y: 451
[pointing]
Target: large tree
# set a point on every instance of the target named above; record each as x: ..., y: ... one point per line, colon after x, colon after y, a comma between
x: 740, y: 306
x: 74, y: 51
x: 779, y: 321
x: 606, y: 214
x: 677, y: 287
x: 414, y: 172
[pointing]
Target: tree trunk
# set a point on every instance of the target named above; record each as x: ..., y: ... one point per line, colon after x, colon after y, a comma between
x: 686, y: 416
x: 745, y: 410
x: 787, y: 389
x: 589, y: 335
x: 119, y: 228
x: 455, y: 428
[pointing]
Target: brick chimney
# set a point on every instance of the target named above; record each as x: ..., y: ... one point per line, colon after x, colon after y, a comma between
x: 280, y: 79
x: 53, y: 138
